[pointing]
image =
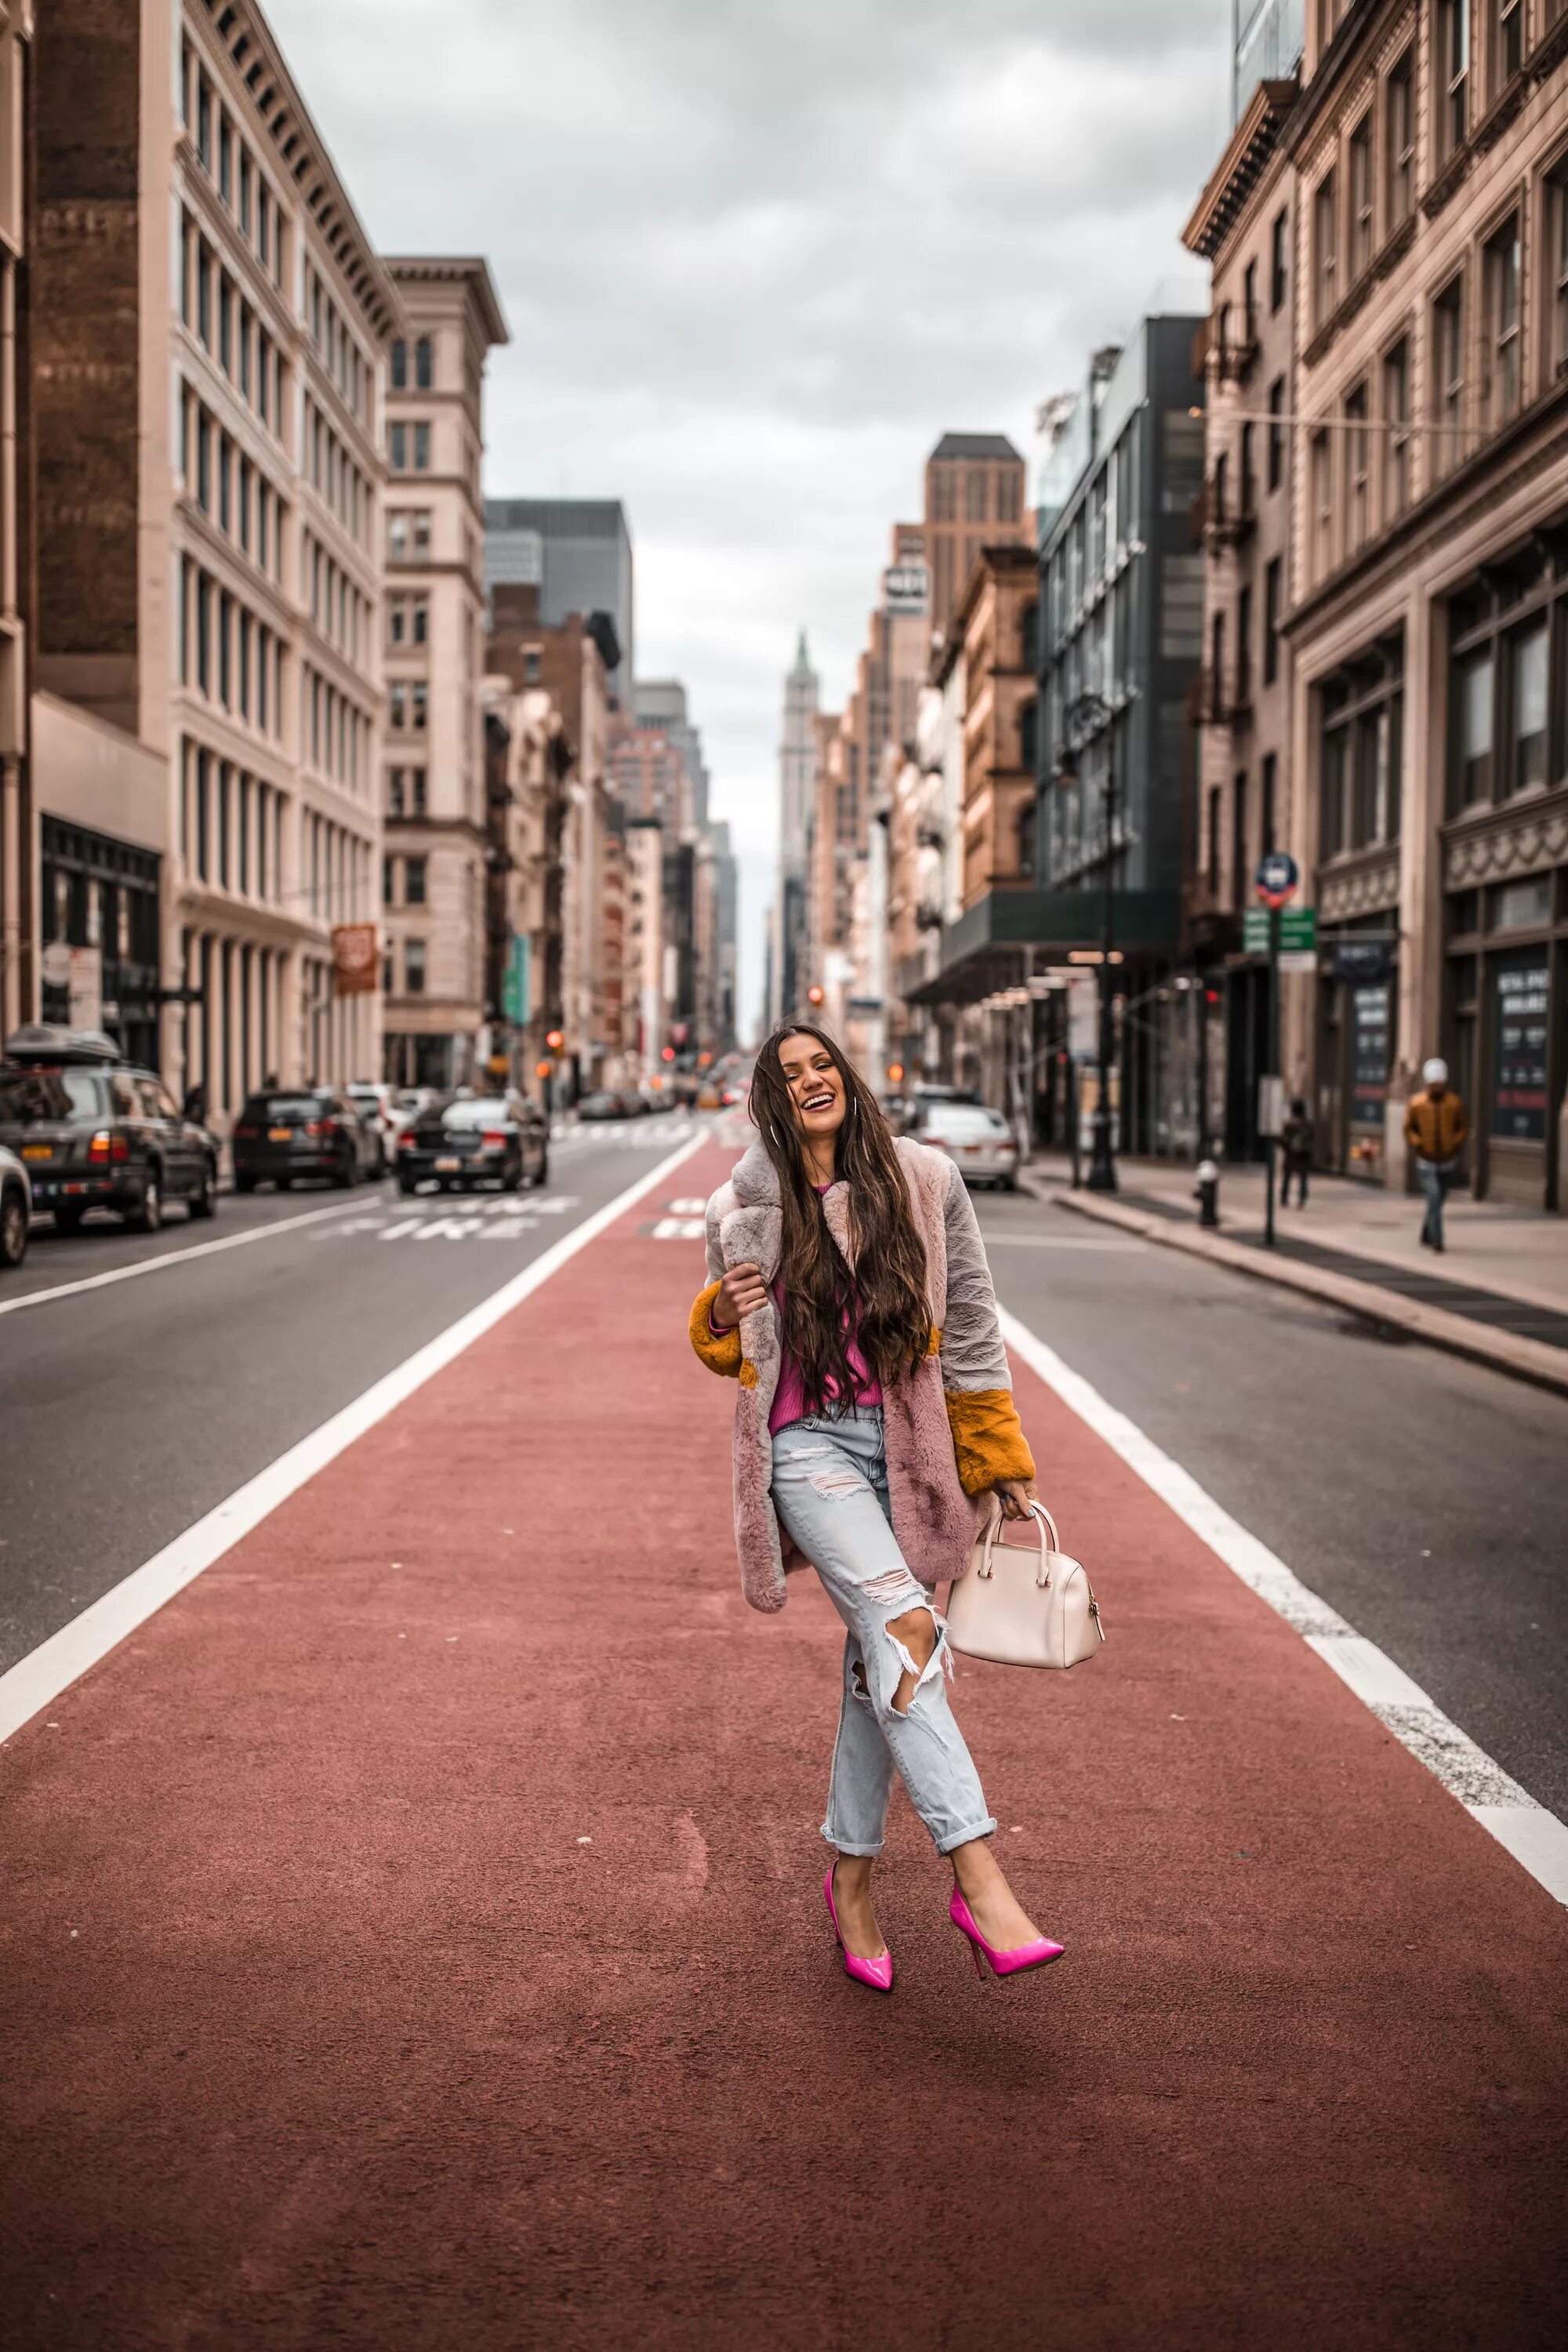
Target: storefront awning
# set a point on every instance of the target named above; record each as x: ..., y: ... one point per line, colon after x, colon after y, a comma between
x: 990, y: 945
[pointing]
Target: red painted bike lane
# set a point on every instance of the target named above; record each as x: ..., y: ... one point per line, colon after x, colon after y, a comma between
x: 413, y: 1938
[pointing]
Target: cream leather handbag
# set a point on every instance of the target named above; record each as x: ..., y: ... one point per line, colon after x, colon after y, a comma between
x: 1023, y: 1606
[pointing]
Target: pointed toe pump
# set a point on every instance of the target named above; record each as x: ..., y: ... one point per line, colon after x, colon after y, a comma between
x: 877, y: 1973
x: 1003, y: 1964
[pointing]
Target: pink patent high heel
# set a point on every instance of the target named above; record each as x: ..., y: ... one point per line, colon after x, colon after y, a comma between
x: 1003, y: 1964
x: 877, y: 1974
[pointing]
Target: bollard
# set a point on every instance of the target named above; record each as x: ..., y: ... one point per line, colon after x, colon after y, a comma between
x: 1206, y: 1193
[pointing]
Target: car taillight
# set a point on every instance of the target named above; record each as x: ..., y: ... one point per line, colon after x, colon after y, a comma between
x: 108, y: 1145
x: 493, y: 1138
x: 319, y: 1125
x: 405, y: 1143
x: 247, y: 1132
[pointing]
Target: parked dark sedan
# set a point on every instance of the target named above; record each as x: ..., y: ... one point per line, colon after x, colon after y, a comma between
x: 476, y: 1140
x: 302, y: 1131
x: 95, y: 1133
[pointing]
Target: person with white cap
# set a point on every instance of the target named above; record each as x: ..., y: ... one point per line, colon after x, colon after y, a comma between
x: 1436, y: 1128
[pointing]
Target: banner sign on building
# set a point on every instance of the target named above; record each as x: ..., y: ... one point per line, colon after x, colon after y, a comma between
x: 906, y: 588
x: 354, y: 959
x: 514, y: 986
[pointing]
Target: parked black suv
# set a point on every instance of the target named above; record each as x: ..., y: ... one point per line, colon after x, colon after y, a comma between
x: 293, y: 1132
x: 94, y: 1133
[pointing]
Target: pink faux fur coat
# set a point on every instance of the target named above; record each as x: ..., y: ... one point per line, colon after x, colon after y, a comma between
x: 950, y: 1427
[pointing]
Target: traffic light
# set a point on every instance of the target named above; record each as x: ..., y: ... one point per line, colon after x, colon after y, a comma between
x: 543, y: 1069
x: 554, y: 1040
x: 814, y: 995
x: 669, y: 1054
x: 895, y: 1073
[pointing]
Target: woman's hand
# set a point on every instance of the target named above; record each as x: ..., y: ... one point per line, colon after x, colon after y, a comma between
x: 740, y: 1293
x: 1016, y: 1495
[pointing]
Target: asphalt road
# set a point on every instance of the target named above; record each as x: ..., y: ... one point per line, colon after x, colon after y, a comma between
x: 1423, y: 1498
x: 130, y: 1409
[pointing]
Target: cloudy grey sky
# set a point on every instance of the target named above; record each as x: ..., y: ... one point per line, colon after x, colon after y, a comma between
x: 756, y: 255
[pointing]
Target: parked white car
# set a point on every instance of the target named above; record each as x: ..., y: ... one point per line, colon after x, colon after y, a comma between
x: 15, y: 1209
x: 980, y: 1140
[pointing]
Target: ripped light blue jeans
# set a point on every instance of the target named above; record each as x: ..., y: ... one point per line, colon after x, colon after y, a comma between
x: 830, y: 1490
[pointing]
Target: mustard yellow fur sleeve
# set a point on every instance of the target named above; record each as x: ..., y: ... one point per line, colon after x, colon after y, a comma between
x: 988, y: 1441
x: 719, y: 1351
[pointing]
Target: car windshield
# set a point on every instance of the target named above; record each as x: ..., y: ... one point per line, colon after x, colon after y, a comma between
x: 485, y: 1112
x: 26, y: 1096
x: 281, y: 1106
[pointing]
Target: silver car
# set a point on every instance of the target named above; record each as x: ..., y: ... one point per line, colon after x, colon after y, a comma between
x: 15, y: 1209
x: 980, y: 1140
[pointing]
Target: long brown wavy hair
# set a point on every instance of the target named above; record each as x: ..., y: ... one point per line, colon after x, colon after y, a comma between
x: 886, y: 1299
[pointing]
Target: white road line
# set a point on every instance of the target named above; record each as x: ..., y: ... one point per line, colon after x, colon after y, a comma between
x: 1535, y: 1837
x: 38, y: 1679
x: 176, y: 1257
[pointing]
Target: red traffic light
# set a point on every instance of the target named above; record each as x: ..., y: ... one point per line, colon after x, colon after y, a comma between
x: 554, y: 1040
x: 814, y: 995
x: 669, y: 1053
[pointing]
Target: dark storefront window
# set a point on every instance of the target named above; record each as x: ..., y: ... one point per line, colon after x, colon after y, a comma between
x: 1522, y: 984
x: 102, y: 894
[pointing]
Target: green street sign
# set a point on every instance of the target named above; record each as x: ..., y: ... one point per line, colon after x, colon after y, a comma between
x: 1297, y: 930
x: 514, y: 986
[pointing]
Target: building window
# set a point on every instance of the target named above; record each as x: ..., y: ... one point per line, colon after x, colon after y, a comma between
x: 1397, y: 433
x: 422, y: 448
x: 1216, y: 666
x: 1470, y: 767
x: 204, y: 121
x: 424, y: 363
x: 1273, y: 591
x: 1453, y: 75
x: 225, y: 159
x: 1268, y: 812
x: 1238, y: 893
x: 395, y: 805
x: 1501, y: 294
x: 1215, y: 800
x: 399, y: 367
x: 1507, y: 49
x: 398, y: 700
x: 389, y: 881
x: 1357, y: 483
x: 1361, y: 718
x: 1526, y: 675
x: 1325, y: 247
x: 1449, y: 374
x: 1361, y: 222
x: 414, y: 967
x: 420, y: 695
x: 1557, y: 265
x: 414, y: 881
x: 1277, y: 433
x: 1244, y: 648
x: 416, y: 791
x: 1279, y: 261
x: 398, y: 444
x: 1322, y: 509
x: 1399, y: 117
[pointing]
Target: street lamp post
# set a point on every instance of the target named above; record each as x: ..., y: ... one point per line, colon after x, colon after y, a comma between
x: 1088, y: 715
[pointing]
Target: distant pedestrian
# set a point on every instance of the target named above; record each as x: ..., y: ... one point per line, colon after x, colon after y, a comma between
x: 874, y: 1402
x: 1436, y: 1128
x: 1295, y: 1153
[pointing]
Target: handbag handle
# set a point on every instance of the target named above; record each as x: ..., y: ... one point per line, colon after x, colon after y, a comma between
x: 1043, y: 1523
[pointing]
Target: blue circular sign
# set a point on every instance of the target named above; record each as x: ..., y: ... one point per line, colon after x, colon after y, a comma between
x: 1279, y: 877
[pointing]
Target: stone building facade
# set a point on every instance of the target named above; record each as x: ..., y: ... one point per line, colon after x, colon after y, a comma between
x: 1244, y: 225
x: 1429, y: 599
x: 209, y: 332
x: 432, y: 778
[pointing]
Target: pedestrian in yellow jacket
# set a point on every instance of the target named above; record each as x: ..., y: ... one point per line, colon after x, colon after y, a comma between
x: 1436, y: 1128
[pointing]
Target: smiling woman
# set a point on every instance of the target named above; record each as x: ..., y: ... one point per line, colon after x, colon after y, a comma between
x: 851, y: 1300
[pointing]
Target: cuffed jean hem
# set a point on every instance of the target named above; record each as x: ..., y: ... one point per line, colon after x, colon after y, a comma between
x: 845, y: 1845
x: 949, y: 1845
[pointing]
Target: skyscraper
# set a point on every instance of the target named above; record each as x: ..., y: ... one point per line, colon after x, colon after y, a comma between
x: 578, y: 551
x: 797, y: 798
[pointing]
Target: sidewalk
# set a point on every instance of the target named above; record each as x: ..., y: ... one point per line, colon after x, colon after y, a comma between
x: 1499, y: 1293
x: 416, y: 1937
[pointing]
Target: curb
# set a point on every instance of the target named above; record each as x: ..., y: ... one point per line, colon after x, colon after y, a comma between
x: 1503, y: 1351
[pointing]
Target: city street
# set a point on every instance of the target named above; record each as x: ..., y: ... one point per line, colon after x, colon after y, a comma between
x: 415, y: 1934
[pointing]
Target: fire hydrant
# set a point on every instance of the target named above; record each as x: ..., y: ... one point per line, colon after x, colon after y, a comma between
x: 1206, y: 1193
